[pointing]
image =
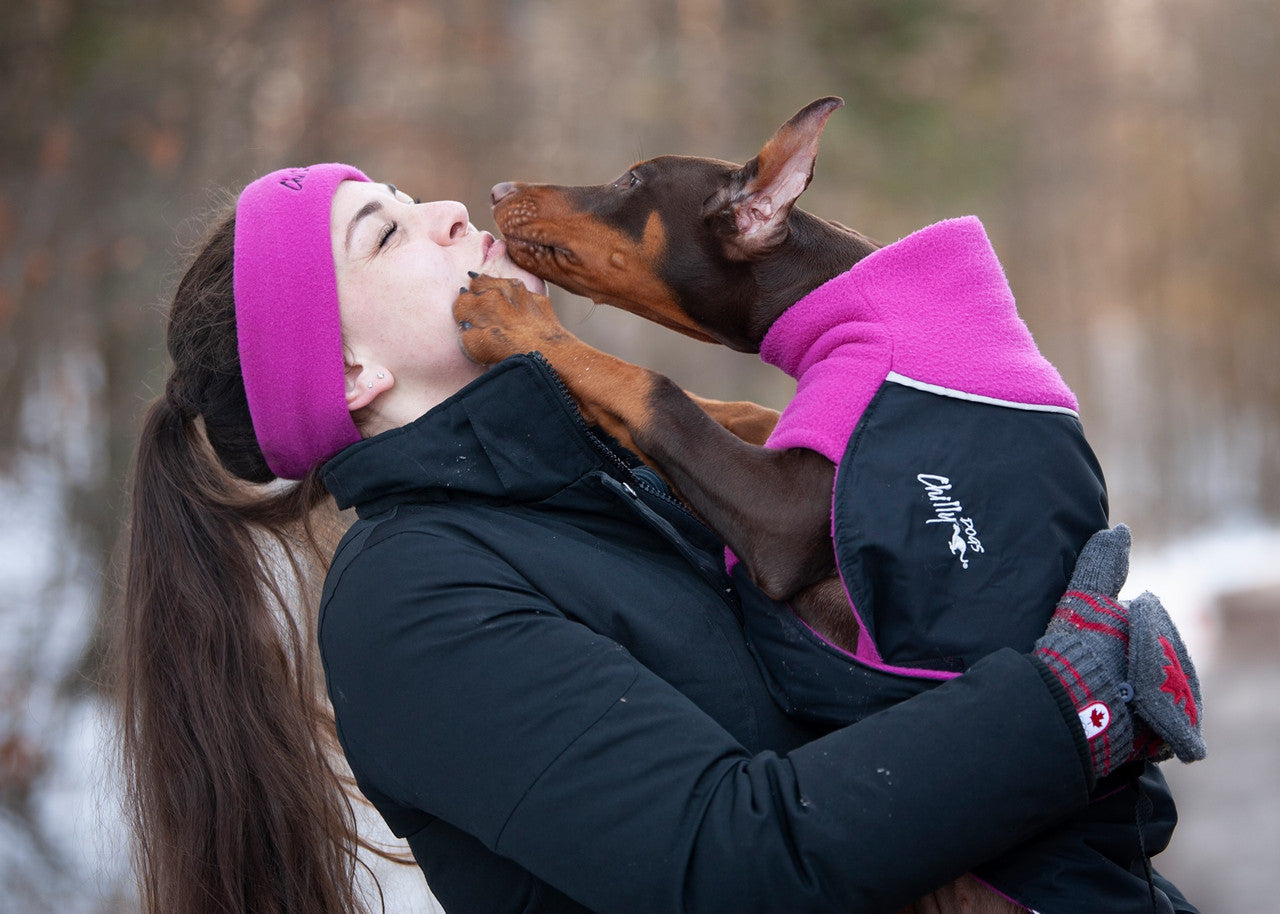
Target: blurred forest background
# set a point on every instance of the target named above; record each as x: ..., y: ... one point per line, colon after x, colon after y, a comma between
x: 1123, y: 154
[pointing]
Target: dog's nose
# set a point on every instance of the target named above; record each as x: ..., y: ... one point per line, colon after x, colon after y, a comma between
x: 500, y: 191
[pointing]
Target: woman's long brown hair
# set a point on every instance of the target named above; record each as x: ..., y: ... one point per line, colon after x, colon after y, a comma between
x: 226, y: 735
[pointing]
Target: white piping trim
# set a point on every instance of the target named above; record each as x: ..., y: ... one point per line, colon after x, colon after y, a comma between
x: 976, y: 398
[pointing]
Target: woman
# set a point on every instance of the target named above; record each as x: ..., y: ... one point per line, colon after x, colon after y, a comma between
x: 536, y: 663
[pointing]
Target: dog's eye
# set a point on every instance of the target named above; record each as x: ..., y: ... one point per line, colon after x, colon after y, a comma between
x: 632, y: 179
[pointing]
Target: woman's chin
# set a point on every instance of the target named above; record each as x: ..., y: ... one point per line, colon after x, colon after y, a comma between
x: 533, y: 283
x: 505, y: 268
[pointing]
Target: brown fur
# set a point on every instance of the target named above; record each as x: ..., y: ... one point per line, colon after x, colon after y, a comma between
x: 717, y: 252
x: 226, y: 739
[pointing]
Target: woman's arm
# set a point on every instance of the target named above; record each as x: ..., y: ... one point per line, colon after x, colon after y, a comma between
x: 461, y: 692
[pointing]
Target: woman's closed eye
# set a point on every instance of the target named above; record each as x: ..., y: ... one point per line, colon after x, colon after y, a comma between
x: 385, y: 235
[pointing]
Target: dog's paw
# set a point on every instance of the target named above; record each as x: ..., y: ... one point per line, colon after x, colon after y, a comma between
x: 500, y: 317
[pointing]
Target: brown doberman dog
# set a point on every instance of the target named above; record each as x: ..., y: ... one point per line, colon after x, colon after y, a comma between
x: 717, y: 252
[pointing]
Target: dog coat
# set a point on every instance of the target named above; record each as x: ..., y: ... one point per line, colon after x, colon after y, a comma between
x: 964, y: 491
x: 964, y: 487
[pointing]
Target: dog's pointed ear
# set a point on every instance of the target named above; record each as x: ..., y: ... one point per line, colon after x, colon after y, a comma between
x: 750, y: 213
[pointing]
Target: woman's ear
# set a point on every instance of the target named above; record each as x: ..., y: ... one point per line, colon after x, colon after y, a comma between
x: 365, y: 383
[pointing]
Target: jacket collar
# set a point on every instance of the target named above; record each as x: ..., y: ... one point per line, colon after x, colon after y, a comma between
x: 513, y: 434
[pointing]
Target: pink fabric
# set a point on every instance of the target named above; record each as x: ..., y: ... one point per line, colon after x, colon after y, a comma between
x: 287, y: 321
x: 935, y: 308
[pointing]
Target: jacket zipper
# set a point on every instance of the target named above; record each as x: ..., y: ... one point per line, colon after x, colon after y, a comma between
x: 628, y: 479
x: 629, y: 476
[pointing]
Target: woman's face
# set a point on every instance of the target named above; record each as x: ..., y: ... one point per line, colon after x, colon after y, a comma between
x: 400, y: 266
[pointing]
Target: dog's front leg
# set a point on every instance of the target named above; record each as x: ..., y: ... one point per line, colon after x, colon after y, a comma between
x: 751, y: 422
x: 500, y: 318
x: 771, y: 507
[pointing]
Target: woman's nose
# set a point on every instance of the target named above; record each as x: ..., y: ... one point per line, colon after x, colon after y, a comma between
x: 447, y: 220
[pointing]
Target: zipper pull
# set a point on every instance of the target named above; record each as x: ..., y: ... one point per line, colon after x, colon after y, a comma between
x: 651, y: 479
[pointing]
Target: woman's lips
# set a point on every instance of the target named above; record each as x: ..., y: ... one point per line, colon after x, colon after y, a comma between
x: 497, y: 263
x: 491, y: 248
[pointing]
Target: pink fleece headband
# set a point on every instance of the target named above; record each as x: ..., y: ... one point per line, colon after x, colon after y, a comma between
x: 287, y: 321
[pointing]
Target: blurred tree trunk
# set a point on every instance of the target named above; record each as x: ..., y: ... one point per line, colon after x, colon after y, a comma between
x: 1143, y: 245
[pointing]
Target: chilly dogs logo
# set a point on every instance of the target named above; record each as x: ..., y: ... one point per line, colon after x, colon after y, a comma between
x: 948, y: 510
x: 294, y: 179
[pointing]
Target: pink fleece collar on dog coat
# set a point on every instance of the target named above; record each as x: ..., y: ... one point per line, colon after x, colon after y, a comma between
x: 932, y: 310
x: 288, y: 325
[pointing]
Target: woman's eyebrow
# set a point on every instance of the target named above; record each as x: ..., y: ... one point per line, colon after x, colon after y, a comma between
x: 367, y: 210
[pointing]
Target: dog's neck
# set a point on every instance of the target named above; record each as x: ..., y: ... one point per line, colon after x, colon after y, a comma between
x: 815, y: 251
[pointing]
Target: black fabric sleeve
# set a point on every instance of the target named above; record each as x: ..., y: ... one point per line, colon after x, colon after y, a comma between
x: 462, y: 692
x: 1060, y: 695
x: 468, y: 878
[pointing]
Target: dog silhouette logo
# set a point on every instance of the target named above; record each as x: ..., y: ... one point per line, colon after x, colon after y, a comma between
x: 947, y: 509
x: 958, y: 546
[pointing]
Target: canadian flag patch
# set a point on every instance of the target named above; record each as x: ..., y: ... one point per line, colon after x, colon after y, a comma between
x: 1095, y: 718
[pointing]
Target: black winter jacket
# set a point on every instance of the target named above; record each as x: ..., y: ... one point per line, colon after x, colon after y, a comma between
x: 541, y: 680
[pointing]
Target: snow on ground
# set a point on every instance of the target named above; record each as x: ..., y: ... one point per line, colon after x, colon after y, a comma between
x: 63, y: 839
x: 1223, y: 854
x: 81, y: 865
x: 1192, y: 575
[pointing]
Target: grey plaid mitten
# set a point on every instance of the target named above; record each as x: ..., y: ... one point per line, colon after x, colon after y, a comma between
x: 1166, y: 689
x: 1086, y: 647
x: 1107, y: 655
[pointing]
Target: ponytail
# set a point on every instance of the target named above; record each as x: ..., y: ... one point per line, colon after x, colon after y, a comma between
x: 227, y: 738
